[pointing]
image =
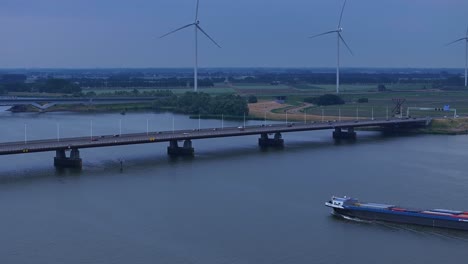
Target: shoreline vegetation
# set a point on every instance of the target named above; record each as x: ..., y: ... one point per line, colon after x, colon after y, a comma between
x: 255, y: 93
x: 263, y: 110
x: 447, y: 126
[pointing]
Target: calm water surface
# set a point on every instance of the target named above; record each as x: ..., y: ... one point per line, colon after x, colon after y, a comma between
x: 232, y: 203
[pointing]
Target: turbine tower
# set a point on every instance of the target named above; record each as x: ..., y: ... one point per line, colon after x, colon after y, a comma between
x: 466, y: 54
x: 196, y: 26
x: 339, y: 39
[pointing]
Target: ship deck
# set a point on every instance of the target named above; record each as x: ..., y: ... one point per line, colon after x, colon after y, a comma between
x: 393, y: 208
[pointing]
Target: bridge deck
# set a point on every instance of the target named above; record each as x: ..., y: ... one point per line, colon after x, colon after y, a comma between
x: 9, y: 148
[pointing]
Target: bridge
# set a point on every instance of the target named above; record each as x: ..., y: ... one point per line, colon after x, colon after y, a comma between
x: 44, y: 103
x: 341, y: 130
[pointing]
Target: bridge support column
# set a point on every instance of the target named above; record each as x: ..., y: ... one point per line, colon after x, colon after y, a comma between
x: 174, y: 150
x: 348, y: 134
x: 264, y: 141
x: 62, y: 161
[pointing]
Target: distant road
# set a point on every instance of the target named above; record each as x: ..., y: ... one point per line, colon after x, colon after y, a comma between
x: 44, y: 103
x: 95, y: 100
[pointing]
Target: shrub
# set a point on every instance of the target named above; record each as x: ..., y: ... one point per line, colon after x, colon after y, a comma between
x: 381, y: 88
x: 253, y: 99
x: 326, y: 99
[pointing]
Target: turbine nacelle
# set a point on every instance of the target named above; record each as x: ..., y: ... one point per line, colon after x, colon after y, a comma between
x: 339, y: 30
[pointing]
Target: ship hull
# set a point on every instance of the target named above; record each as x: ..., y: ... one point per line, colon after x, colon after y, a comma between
x: 406, y: 218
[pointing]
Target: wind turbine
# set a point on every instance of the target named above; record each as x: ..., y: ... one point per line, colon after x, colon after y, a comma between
x: 340, y: 38
x: 466, y: 53
x: 196, y: 25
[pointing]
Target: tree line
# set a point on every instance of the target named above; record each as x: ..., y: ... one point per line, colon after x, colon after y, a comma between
x: 436, y: 80
x: 17, y: 83
x: 130, y: 82
x: 202, y: 103
x: 191, y: 103
x: 326, y: 99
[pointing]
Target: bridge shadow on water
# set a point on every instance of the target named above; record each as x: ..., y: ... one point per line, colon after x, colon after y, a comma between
x: 38, y: 174
x: 139, y: 162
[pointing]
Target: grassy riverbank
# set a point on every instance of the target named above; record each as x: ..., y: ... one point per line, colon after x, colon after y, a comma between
x: 447, y: 126
x: 275, y: 111
x: 269, y: 110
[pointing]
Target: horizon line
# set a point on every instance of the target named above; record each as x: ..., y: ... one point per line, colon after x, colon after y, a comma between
x: 221, y: 67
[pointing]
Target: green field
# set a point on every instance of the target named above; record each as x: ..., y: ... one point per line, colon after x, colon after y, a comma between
x: 265, y: 89
x: 351, y: 88
x: 260, y: 86
x: 379, y: 102
x: 415, y: 95
x: 211, y: 90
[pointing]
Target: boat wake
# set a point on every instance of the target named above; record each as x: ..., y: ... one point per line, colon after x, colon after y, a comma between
x: 422, y: 230
x: 4, y: 108
x: 354, y: 219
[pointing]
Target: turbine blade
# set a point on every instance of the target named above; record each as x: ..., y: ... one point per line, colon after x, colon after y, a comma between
x: 196, y: 12
x: 173, y: 31
x: 341, y: 16
x: 208, y: 36
x: 328, y: 32
x: 455, y: 41
x: 466, y: 31
x: 344, y: 42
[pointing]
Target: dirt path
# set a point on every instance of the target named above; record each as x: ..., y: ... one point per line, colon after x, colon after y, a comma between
x: 264, y: 110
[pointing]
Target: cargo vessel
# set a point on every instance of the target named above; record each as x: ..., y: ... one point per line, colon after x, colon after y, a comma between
x: 352, y: 208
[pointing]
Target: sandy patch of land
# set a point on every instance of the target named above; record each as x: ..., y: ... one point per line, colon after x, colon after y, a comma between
x: 264, y: 109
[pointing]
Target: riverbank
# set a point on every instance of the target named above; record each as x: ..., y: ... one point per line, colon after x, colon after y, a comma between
x: 87, y: 108
x: 269, y: 110
x: 272, y: 110
x: 447, y: 126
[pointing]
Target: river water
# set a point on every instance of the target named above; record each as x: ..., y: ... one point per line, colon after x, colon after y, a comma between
x: 232, y: 203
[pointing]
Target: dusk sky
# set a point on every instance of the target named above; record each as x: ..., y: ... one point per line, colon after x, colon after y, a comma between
x: 252, y: 33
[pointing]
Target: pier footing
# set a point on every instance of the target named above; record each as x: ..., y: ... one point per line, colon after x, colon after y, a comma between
x: 186, y: 150
x: 62, y: 161
x: 277, y: 141
x: 348, y: 134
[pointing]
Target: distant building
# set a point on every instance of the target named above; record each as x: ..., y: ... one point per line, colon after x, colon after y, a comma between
x: 31, y: 79
x: 280, y: 99
x: 381, y: 88
x: 227, y: 82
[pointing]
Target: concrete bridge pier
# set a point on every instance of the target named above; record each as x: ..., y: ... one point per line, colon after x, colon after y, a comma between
x: 174, y: 150
x: 62, y: 161
x: 348, y: 134
x: 264, y: 141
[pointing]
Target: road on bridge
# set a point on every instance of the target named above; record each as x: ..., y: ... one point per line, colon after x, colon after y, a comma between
x: 9, y: 148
